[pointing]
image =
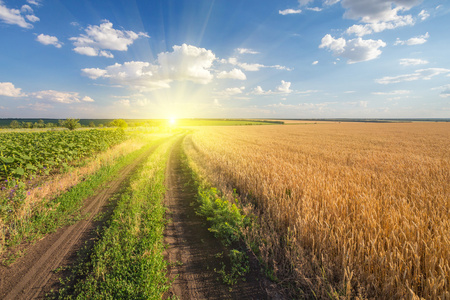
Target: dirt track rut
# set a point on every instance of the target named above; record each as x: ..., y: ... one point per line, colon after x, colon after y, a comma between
x: 32, y: 276
x: 192, y: 249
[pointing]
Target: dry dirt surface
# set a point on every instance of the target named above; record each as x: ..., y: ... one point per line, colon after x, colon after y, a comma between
x: 32, y: 276
x: 192, y: 249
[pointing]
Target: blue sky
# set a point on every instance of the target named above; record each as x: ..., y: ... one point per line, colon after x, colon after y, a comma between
x: 225, y: 59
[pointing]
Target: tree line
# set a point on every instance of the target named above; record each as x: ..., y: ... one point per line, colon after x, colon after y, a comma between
x: 68, y: 123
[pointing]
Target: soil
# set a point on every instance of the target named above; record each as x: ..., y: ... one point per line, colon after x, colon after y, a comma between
x: 193, y: 251
x: 33, y: 275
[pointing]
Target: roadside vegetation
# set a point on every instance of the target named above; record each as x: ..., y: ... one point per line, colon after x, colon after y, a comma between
x: 33, y: 205
x: 127, y: 261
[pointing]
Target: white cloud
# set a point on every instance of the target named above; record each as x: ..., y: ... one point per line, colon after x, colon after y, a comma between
x: 423, y: 15
x: 94, y: 73
x: 32, y: 18
x: 361, y: 30
x: 412, y: 62
x: 424, y: 74
x: 315, y: 62
x: 355, y: 50
x: 49, y: 40
x: 26, y: 9
x: 34, y: 2
x: 393, y: 93
x: 232, y: 91
x: 217, y: 103
x: 370, y: 11
x: 233, y: 74
x: 56, y: 96
x: 252, y: 67
x: 289, y: 11
x: 314, y: 8
x: 418, y: 40
x: 259, y: 91
x: 378, y: 15
x: 87, y: 99
x: 8, y: 89
x: 13, y: 16
x: 89, y: 51
x: 284, y: 87
x: 185, y: 62
x: 246, y: 51
x: 104, y: 37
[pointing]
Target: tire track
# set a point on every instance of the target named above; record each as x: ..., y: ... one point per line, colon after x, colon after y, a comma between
x: 32, y: 275
x: 193, y: 251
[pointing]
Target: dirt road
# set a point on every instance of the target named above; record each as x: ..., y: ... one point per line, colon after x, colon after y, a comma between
x: 193, y: 250
x: 32, y: 276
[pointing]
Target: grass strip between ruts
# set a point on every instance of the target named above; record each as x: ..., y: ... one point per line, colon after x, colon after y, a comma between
x: 128, y: 262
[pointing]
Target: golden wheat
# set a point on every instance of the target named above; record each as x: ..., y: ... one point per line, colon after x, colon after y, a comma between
x: 350, y: 210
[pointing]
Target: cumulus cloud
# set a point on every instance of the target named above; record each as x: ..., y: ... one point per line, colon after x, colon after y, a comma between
x: 232, y: 91
x: 422, y: 39
x: 412, y: 61
x: 94, y: 73
x: 370, y: 11
x: 246, y: 51
x: 361, y: 30
x: 422, y: 74
x: 14, y: 17
x: 355, y: 50
x: 284, y: 87
x: 9, y: 90
x: 185, y: 62
x: 56, y: 96
x: 378, y: 16
x: 315, y: 62
x: 97, y: 39
x: 49, y: 40
x: 259, y: 91
x: 233, y: 74
x: 87, y: 99
x: 289, y: 11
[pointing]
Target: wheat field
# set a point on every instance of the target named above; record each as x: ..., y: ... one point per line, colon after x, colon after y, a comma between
x: 345, y: 210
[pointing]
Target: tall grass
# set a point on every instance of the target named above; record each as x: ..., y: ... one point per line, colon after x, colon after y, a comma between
x: 345, y: 210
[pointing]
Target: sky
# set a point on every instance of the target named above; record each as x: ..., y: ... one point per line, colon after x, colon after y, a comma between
x: 224, y: 59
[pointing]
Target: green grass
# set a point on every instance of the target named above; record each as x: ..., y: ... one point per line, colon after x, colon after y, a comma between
x: 64, y: 209
x: 127, y: 262
x: 226, y: 221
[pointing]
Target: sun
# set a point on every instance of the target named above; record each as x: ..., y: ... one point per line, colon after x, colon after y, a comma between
x: 172, y: 121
